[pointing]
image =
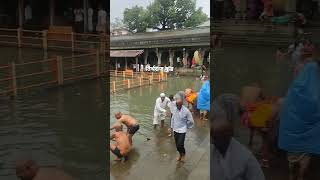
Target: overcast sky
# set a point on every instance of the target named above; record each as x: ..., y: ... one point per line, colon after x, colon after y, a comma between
x: 118, y: 6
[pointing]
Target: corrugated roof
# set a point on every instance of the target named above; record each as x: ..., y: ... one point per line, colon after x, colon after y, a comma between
x: 125, y: 53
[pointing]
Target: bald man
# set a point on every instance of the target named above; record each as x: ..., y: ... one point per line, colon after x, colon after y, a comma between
x: 122, y: 145
x: 181, y: 121
x: 130, y: 122
x: 29, y: 170
x: 230, y: 160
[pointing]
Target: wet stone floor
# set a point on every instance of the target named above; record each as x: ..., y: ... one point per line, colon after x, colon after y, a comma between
x: 155, y: 158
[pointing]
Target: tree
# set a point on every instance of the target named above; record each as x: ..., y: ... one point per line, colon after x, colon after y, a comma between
x: 196, y: 18
x: 117, y: 24
x: 164, y: 14
x: 135, y: 19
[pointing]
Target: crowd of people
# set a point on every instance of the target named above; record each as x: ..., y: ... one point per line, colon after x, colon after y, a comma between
x: 96, y: 18
x: 96, y: 22
x: 180, y: 109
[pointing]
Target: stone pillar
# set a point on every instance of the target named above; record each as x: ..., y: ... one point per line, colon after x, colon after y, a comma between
x: 116, y: 64
x: 126, y: 63
x: 20, y: 13
x: 185, y: 57
x: 146, y: 54
x: 202, y: 53
x: 159, y: 54
x: 51, y: 12
x: 291, y: 6
x: 85, y: 14
x: 171, y: 56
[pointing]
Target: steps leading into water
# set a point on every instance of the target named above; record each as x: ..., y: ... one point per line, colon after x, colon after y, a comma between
x: 253, y: 33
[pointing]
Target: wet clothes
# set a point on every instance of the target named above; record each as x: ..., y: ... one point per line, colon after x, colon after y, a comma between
x: 133, y: 129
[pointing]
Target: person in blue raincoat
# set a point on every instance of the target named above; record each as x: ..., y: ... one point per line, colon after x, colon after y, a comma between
x: 299, y: 130
x: 203, y: 100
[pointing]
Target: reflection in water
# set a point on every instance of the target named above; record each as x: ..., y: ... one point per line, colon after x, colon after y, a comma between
x: 57, y: 128
x: 22, y: 55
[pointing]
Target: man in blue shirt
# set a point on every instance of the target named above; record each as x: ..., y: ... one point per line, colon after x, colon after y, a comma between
x: 181, y: 121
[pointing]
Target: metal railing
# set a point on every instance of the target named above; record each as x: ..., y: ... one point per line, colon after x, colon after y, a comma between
x: 50, y: 72
x: 130, y: 79
x: 54, y: 40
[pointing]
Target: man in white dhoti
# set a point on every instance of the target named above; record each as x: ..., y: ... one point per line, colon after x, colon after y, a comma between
x: 159, y: 110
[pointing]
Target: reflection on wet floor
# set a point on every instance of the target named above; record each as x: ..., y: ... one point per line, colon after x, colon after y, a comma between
x: 155, y: 158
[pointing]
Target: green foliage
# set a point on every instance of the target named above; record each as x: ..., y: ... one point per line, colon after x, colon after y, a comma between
x: 135, y: 19
x: 163, y: 15
x: 196, y: 18
x: 117, y: 24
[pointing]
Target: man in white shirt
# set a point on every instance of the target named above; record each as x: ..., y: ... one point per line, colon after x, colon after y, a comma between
x: 181, y: 121
x: 102, y: 20
x: 159, y: 110
x: 78, y: 18
x: 28, y: 13
x: 229, y: 159
x: 90, y: 16
x: 178, y: 62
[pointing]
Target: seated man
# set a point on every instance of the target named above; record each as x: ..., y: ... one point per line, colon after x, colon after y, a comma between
x: 130, y: 122
x: 122, y: 146
x: 28, y: 169
x: 229, y: 159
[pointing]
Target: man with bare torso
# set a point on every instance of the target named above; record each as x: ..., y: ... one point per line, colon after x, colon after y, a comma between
x: 130, y: 122
x: 29, y: 170
x: 122, y: 146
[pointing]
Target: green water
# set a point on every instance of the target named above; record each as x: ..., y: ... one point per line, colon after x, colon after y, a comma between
x: 60, y: 127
